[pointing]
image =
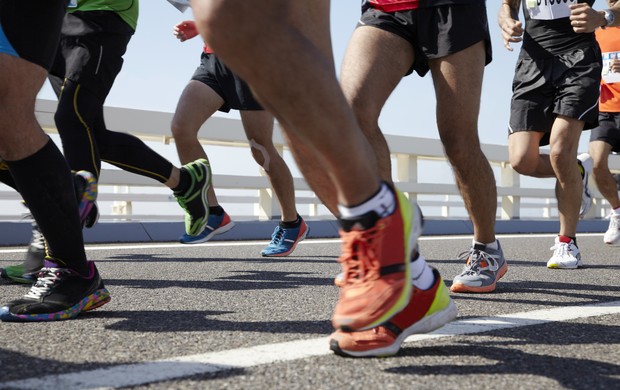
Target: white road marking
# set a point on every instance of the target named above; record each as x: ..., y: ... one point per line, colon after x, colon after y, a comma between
x: 185, y: 366
x: 311, y: 241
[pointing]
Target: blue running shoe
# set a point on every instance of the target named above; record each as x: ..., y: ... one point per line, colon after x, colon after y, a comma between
x: 216, y: 224
x: 284, y: 240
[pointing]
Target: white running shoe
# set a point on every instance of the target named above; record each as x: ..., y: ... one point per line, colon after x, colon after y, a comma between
x: 586, y: 197
x: 565, y: 255
x: 612, y: 235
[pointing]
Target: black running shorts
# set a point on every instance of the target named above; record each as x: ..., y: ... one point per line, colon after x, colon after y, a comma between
x: 217, y: 76
x: 30, y: 29
x: 91, y: 50
x: 566, y: 84
x: 434, y: 32
x: 608, y: 130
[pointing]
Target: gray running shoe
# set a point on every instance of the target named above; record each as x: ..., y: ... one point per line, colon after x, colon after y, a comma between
x: 483, y: 269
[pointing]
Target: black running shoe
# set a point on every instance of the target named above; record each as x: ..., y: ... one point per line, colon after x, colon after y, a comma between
x: 58, y: 294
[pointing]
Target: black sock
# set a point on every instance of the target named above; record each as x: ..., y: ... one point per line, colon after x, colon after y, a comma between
x: 291, y: 224
x: 46, y: 184
x: 184, y: 182
x: 216, y: 210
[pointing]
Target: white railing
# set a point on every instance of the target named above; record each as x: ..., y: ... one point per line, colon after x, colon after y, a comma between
x: 410, y: 157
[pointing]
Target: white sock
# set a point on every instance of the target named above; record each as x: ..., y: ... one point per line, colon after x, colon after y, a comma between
x: 383, y: 203
x: 616, y: 211
x: 492, y: 245
x: 421, y: 274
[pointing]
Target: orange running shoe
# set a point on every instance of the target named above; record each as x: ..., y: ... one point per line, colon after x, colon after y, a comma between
x: 428, y: 310
x: 376, y: 256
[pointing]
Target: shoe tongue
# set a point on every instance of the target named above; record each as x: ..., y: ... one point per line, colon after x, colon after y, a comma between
x: 363, y: 222
x: 480, y: 247
x: 49, y: 264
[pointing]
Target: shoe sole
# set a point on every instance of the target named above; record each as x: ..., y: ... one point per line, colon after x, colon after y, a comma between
x: 91, y: 302
x: 220, y: 230
x: 562, y: 266
x: 299, y: 239
x: 463, y: 288
x: 425, y: 325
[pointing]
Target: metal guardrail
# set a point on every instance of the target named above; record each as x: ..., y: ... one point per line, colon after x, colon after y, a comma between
x: 124, y: 189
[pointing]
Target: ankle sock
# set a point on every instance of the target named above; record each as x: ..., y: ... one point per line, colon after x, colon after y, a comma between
x: 421, y: 274
x: 382, y: 203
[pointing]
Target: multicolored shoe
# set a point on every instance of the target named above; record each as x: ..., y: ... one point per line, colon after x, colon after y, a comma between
x: 194, y: 200
x: 566, y: 255
x: 58, y: 294
x: 86, y: 191
x: 284, y: 240
x: 585, y: 162
x: 376, y: 257
x: 427, y: 310
x: 484, y: 267
x: 216, y: 224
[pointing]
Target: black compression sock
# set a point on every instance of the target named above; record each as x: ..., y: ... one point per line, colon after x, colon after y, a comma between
x: 46, y: 184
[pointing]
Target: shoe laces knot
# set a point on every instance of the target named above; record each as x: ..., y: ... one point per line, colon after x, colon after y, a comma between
x: 477, y: 261
x: 359, y: 260
x: 46, y: 279
x: 278, y: 235
x: 561, y: 249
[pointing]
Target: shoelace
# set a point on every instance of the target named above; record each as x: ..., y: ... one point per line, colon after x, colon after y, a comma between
x: 562, y: 249
x: 46, y: 279
x: 614, y: 222
x: 38, y: 240
x: 358, y: 259
x: 475, y: 258
x: 277, y: 236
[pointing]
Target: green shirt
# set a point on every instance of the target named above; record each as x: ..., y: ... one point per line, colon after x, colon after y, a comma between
x: 126, y: 9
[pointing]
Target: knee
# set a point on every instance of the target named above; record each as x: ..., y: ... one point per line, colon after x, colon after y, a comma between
x: 460, y: 150
x: 261, y: 155
x: 523, y: 165
x: 180, y: 131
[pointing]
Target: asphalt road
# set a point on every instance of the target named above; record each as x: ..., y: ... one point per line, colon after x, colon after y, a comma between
x: 218, y: 316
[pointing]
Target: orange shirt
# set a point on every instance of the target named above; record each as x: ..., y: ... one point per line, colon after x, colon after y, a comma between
x: 609, y: 41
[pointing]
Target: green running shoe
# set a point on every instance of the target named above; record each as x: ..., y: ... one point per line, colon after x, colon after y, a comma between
x: 194, y: 199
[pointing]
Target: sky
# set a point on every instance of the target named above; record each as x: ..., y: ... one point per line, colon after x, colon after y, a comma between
x: 157, y: 67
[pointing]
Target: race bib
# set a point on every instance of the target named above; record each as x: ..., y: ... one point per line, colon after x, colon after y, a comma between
x: 609, y: 76
x: 549, y: 9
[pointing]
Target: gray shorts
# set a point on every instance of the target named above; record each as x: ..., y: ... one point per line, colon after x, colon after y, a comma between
x: 566, y: 84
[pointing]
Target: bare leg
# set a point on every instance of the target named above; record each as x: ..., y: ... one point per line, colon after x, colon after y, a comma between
x: 563, y: 155
x: 259, y: 130
x: 599, y: 150
x: 298, y: 36
x: 525, y: 157
x: 196, y: 105
x: 458, y: 84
